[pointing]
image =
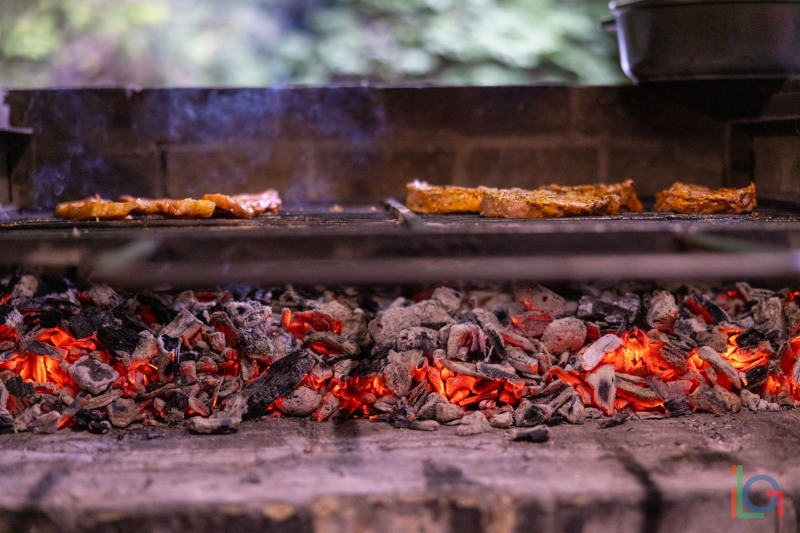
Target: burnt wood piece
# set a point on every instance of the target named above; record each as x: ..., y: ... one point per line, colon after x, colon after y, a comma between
x: 756, y: 376
x: 91, y: 421
x: 535, y: 434
x: 677, y: 407
x: 618, y: 419
x: 116, y: 338
x: 279, y: 380
x: 702, y: 305
x: 612, y: 311
x: 16, y: 386
x: 161, y: 311
x: 764, y: 329
x: 88, y: 321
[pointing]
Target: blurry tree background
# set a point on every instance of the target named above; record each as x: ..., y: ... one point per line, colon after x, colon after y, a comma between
x: 46, y: 43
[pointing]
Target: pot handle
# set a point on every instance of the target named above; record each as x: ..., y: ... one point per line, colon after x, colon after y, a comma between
x: 609, y: 26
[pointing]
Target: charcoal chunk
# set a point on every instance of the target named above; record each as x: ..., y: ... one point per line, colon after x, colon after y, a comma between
x: 115, y: 338
x: 534, y: 434
x: 5, y: 311
x: 617, y: 419
x: 6, y: 424
x: 91, y: 421
x: 762, y: 330
x: 279, y: 380
x: 677, y: 407
x: 614, y: 311
x: 92, y: 375
x: 214, y: 426
x: 756, y: 376
x: 16, y: 386
x: 160, y: 311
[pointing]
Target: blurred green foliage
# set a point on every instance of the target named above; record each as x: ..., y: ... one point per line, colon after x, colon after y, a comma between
x: 269, y: 42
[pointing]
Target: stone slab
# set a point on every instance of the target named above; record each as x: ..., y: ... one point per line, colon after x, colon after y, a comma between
x: 284, y: 474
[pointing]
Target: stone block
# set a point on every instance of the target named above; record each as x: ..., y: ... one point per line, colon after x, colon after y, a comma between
x: 640, y: 112
x: 529, y: 168
x: 777, y: 164
x: 346, y: 175
x: 433, y: 165
x: 57, y: 173
x: 354, y: 114
x: 656, y: 166
x: 480, y: 111
x: 231, y: 168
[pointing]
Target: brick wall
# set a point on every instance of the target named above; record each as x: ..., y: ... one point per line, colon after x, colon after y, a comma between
x: 362, y: 144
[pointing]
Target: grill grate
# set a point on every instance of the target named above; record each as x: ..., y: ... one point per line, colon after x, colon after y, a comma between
x: 392, y: 245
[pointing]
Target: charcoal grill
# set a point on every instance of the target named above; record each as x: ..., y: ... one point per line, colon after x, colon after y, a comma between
x: 350, y: 146
x: 389, y: 244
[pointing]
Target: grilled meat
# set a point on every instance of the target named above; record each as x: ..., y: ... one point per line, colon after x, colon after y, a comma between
x: 433, y: 199
x: 698, y: 200
x: 185, y: 208
x: 542, y: 203
x: 624, y: 189
x: 94, y: 208
x: 239, y: 205
x: 247, y: 205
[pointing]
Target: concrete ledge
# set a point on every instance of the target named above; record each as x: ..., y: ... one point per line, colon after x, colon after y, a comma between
x: 297, y: 475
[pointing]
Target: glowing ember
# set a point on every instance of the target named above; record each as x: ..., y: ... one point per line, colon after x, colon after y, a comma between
x: 166, y: 357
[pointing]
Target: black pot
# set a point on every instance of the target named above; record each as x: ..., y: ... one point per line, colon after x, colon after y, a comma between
x: 708, y: 39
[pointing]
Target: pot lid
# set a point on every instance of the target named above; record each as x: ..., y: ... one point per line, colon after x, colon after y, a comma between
x: 663, y: 3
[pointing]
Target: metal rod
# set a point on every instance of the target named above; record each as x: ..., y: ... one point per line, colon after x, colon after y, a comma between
x: 404, y: 215
x: 715, y: 265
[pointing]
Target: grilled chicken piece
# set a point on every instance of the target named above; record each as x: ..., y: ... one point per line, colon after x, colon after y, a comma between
x: 698, y: 200
x: 436, y: 200
x: 186, y: 208
x: 624, y: 189
x: 94, y: 208
x: 247, y: 205
x: 542, y: 203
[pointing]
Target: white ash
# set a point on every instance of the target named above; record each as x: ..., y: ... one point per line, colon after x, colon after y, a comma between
x: 446, y: 412
x: 354, y: 322
x: 267, y: 345
x: 184, y: 325
x: 564, y: 334
x: 92, y: 375
x: 428, y: 408
x: 248, y: 314
x: 501, y: 420
x: 604, y: 389
x: 45, y: 423
x: 449, y: 299
x: 663, y: 311
x: 756, y: 403
x: 598, y: 349
x: 529, y: 414
x: 713, y: 358
x: 473, y: 424
x: 398, y: 370
x: 417, y: 338
x: 542, y: 299
x: 145, y: 348
x: 26, y: 287
x: 464, y: 340
x: 772, y: 310
x: 330, y: 406
x: 123, y: 412
x: 302, y: 402
x: 103, y: 296
x: 214, y: 426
